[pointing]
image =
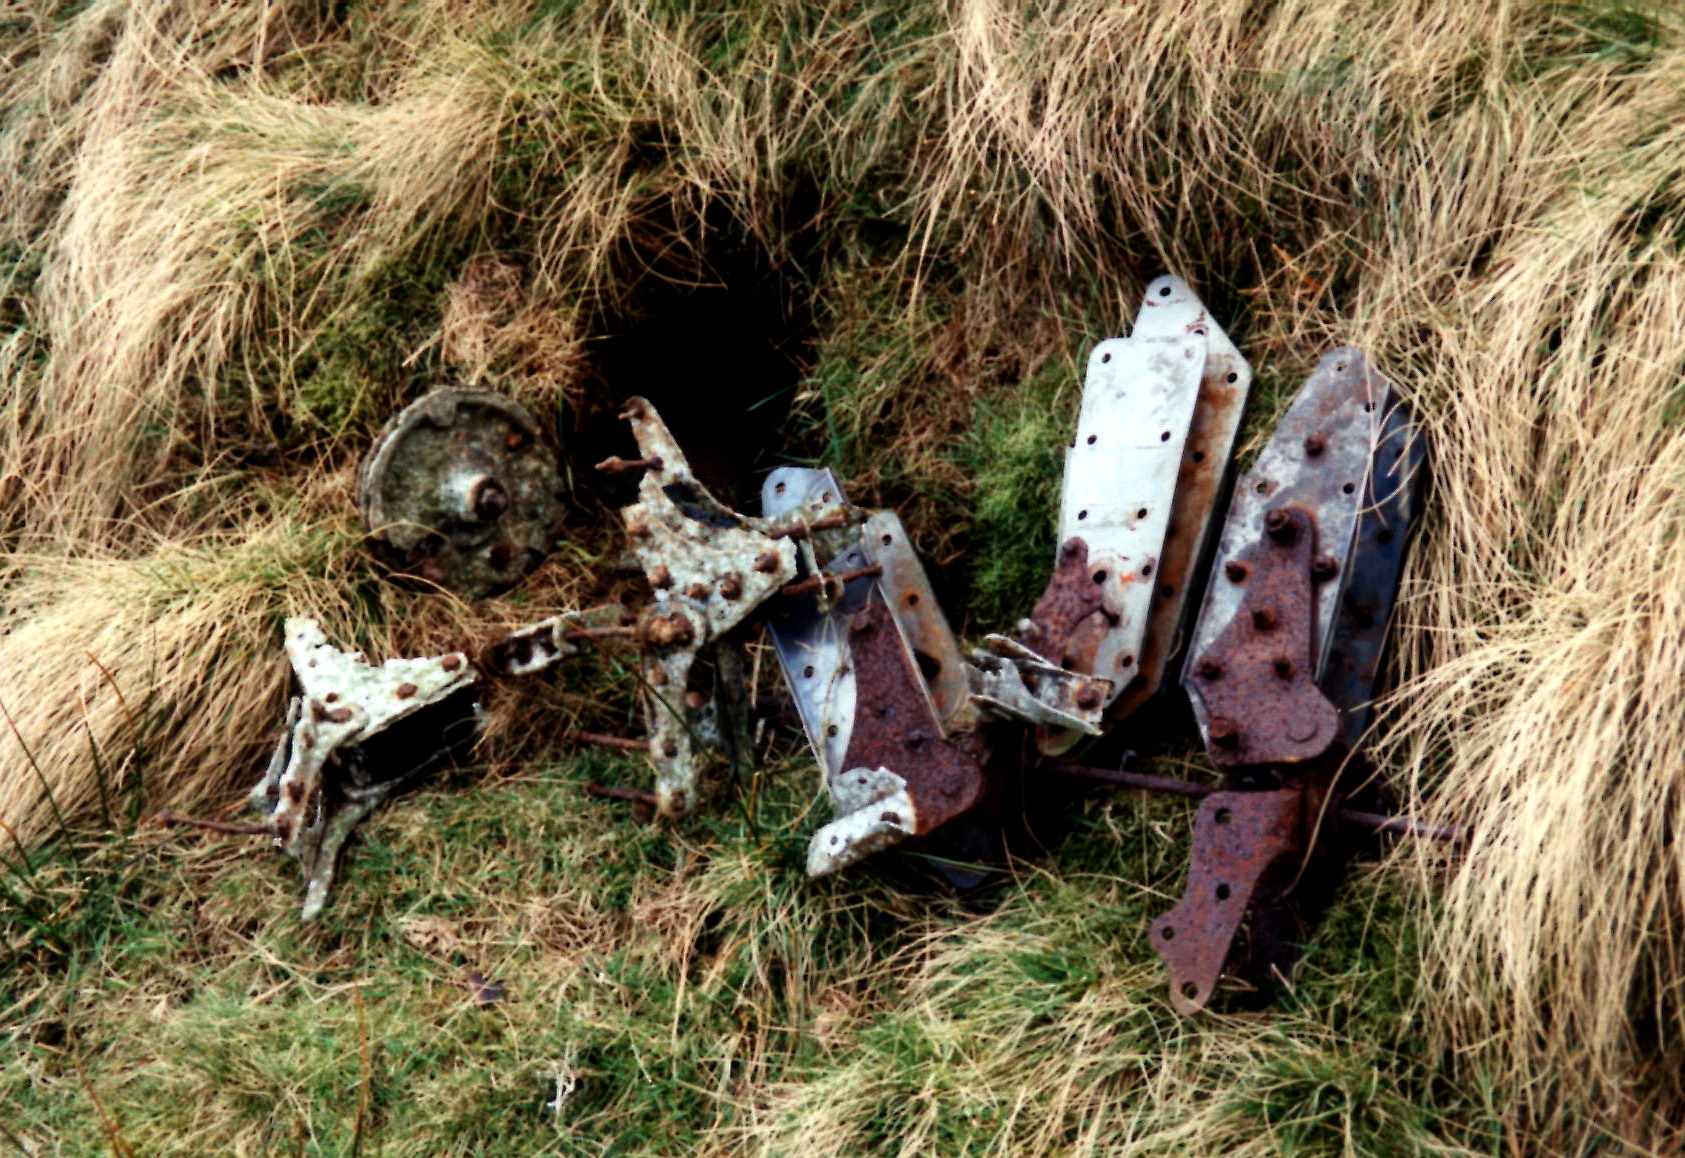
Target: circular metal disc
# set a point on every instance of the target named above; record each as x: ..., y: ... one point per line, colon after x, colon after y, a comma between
x: 461, y: 490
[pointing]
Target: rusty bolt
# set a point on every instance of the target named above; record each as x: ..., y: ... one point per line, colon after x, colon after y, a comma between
x: 637, y: 525
x: 658, y: 676
x: 516, y: 440
x: 670, y: 749
x: 1264, y: 619
x: 1088, y: 698
x: 660, y: 578
x: 1236, y: 571
x: 451, y: 662
x: 697, y: 590
x: 695, y: 700
x: 669, y: 631
x: 1209, y: 669
x: 404, y: 691
x: 1071, y: 549
x: 339, y: 716
x: 1278, y: 524
x: 731, y: 587
x: 1283, y: 668
x: 1315, y: 444
x: 1224, y: 732
x: 1324, y: 568
x: 767, y: 561
x: 489, y: 500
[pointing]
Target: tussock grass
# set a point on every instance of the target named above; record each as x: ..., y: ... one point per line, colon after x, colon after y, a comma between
x: 233, y: 238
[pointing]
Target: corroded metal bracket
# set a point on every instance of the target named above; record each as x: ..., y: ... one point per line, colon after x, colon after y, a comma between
x: 354, y: 735
x: 1286, y: 655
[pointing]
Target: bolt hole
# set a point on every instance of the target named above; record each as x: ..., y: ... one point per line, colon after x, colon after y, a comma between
x: 1348, y: 488
x: 1264, y: 488
x: 1099, y: 576
x: 1082, y: 515
x: 807, y: 672
x: 1163, y: 291
x: 1190, y: 990
x: 1383, y: 537
x: 826, y: 497
x: 1142, y: 513
x: 1146, y: 570
x: 780, y: 488
x: 831, y: 730
x: 1168, y: 933
x: 1091, y: 439
x: 1368, y: 406
x: 1339, y: 367
x: 1126, y: 661
x: 912, y: 599
x: 1199, y: 456
x: 1165, y: 437
x: 1222, y: 892
x: 1167, y: 590
x: 1223, y: 816
x: 1231, y: 376
x: 1105, y: 357
x: 888, y: 539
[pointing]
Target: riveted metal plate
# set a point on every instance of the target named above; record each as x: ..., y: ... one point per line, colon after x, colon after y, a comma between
x: 1317, y: 459
x: 1238, y: 837
x: 1254, y: 681
x: 811, y: 641
x: 460, y: 491
x: 1224, y: 385
x: 1120, y: 479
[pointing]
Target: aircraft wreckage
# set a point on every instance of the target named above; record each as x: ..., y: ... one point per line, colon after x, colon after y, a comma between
x: 1267, y: 603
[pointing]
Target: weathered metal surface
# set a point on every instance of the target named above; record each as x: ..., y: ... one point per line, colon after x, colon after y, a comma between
x: 1238, y: 837
x: 1013, y: 682
x: 918, y: 617
x: 533, y: 649
x: 1254, y: 682
x: 708, y: 567
x: 1316, y: 459
x: 915, y: 780
x: 460, y: 491
x: 810, y: 639
x: 1224, y: 386
x: 1075, y: 593
x: 1353, y: 666
x: 1120, y: 480
x: 354, y: 734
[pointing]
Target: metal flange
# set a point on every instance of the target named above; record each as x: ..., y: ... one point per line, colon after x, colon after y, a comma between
x: 460, y: 491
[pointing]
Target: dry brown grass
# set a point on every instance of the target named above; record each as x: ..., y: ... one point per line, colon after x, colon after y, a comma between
x: 203, y: 198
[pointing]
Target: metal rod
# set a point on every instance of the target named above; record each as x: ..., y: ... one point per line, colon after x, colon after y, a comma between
x: 1375, y: 821
x: 602, y: 741
x: 615, y: 792
x: 815, y: 583
x: 176, y: 819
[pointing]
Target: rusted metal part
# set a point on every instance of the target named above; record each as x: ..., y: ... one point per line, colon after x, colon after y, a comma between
x: 1015, y: 683
x: 1075, y: 593
x: 1238, y: 838
x: 710, y: 568
x: 599, y: 740
x: 920, y: 622
x: 460, y: 491
x: 1254, y: 680
x: 902, y: 776
x: 1317, y: 459
x: 532, y: 649
x: 1206, y: 456
x: 354, y: 735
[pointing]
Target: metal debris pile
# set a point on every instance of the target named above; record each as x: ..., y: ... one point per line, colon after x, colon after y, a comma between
x: 1275, y: 629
